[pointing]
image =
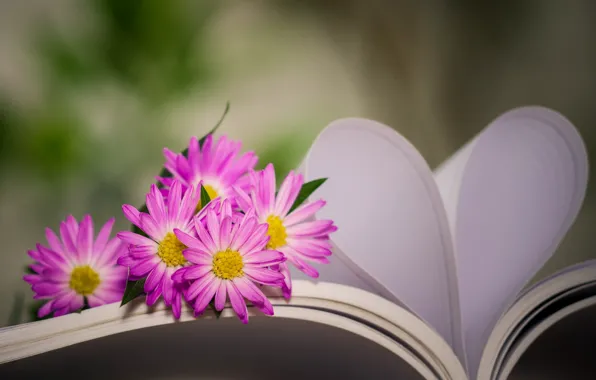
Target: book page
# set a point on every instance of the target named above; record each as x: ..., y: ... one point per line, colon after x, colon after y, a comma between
x: 384, y: 336
x: 511, y: 199
x: 392, y: 223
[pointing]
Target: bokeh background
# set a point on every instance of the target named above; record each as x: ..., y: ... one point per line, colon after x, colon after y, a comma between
x: 90, y: 91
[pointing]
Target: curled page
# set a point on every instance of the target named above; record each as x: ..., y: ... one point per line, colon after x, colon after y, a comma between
x: 512, y: 194
x: 392, y: 223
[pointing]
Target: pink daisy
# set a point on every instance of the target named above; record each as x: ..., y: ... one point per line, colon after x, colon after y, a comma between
x: 296, y: 234
x: 226, y: 261
x: 215, y: 165
x: 75, y: 267
x: 159, y: 254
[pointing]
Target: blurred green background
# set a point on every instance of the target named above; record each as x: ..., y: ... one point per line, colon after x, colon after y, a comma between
x: 90, y: 92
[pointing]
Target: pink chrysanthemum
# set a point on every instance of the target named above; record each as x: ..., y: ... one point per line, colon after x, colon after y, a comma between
x: 296, y: 234
x: 75, y: 267
x: 217, y: 166
x: 227, y: 260
x: 159, y: 255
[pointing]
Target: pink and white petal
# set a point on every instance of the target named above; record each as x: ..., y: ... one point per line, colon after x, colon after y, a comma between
x: 197, y: 271
x: 310, y: 247
x: 73, y: 227
x: 303, y: 212
x: 85, y: 239
x: 309, y: 228
x: 153, y: 296
x: 220, y: 296
x: 155, y: 277
x: 52, y: 258
x: 177, y: 305
x: 190, y: 200
x: 249, y: 290
x: 199, y: 286
x: 254, y: 240
x: 225, y: 233
x: 141, y: 252
x: 132, y: 214
x: 64, y: 299
x: 205, y: 296
x: 151, y: 227
x: 287, y: 282
x: 77, y: 303
x: 283, y: 201
x: 264, y: 276
x: 93, y: 300
x: 155, y: 206
x: 143, y: 267
x: 103, y: 237
x: 108, y: 295
x: 241, y: 235
x: 264, y: 258
x: 174, y: 200
x: 48, y: 289
x: 196, y: 256
x: 57, y: 275
x: 70, y: 248
x: 32, y: 279
x: 205, y: 238
x: 255, y: 245
x: 53, y: 241
x: 178, y: 276
x: 135, y: 239
x: 214, y: 227
x: 237, y: 302
x: 61, y: 312
x: 127, y: 261
x: 45, y: 309
x: 265, y: 307
x: 167, y: 286
x: 188, y: 240
x: 302, y: 266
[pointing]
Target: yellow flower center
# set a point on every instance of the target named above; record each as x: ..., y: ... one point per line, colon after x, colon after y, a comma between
x: 84, y: 280
x: 276, y: 231
x: 170, y: 251
x: 228, y: 264
x: 212, y: 195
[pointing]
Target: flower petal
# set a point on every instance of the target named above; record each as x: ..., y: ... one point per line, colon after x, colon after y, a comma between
x: 196, y: 256
x: 53, y: 241
x: 198, y: 286
x: 237, y: 302
x: 197, y: 271
x: 220, y: 296
x: 155, y: 277
x: 309, y: 228
x: 85, y: 239
x: 156, y: 206
x: 135, y: 239
x: 132, y: 214
x: 264, y: 276
x: 103, y: 236
x: 205, y: 296
x: 264, y: 258
x: 303, y: 212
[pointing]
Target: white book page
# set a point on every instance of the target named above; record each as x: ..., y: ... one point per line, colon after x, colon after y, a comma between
x: 518, y: 188
x: 411, y: 346
x: 392, y: 223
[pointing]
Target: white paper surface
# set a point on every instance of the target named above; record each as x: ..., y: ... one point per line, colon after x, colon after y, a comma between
x: 519, y: 186
x: 391, y: 220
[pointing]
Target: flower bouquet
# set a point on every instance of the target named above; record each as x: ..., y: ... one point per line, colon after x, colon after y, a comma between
x: 213, y: 229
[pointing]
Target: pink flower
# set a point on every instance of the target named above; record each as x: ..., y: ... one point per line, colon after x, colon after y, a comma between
x: 159, y: 255
x: 75, y: 267
x: 296, y: 234
x: 217, y: 166
x: 227, y: 260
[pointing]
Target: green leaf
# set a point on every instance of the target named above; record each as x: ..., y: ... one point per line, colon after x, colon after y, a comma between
x: 133, y: 290
x: 205, y: 198
x: 306, y: 190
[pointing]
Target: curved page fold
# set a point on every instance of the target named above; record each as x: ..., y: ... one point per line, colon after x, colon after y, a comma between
x: 519, y: 187
x: 392, y: 224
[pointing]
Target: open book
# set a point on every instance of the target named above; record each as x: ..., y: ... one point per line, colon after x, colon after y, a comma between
x: 429, y: 277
